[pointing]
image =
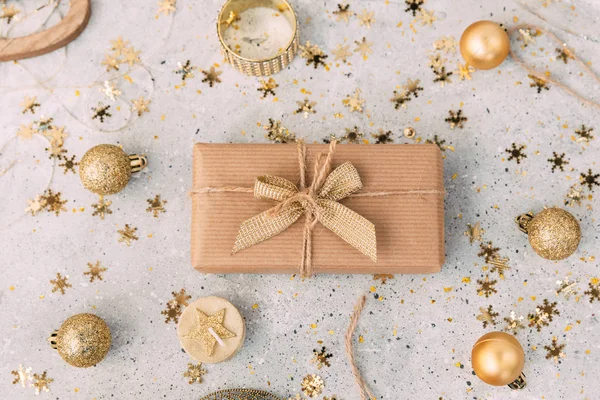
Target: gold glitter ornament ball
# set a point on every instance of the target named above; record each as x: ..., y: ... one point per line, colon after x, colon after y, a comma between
x: 106, y: 168
x: 484, y: 45
x: 498, y: 359
x: 553, y: 233
x: 82, y: 341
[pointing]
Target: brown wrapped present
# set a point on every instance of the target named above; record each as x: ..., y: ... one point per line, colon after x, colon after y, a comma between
x: 254, y: 212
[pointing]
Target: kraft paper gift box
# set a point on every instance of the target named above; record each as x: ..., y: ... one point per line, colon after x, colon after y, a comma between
x: 409, y: 223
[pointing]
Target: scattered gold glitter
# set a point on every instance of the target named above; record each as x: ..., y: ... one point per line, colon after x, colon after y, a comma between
x: 95, y: 271
x: 267, y: 87
x: 202, y: 330
x: 127, y: 234
x: 22, y: 376
x: 102, y: 207
x: 383, y: 277
x: 342, y: 53
x: 60, y: 284
x: 487, y: 316
x: 354, y: 102
x: 474, y: 232
x: 321, y: 358
x: 363, y: 47
x: 312, y: 385
x: 29, y: 104
x: 313, y: 54
x: 306, y: 107
x: 486, y: 287
x: 41, y: 383
x: 343, y: 13
x: 555, y: 350
x: 141, y: 105
x: 194, y: 373
x: 156, y: 206
x: 166, y: 7
x: 83, y: 340
x: 366, y: 18
x: 543, y: 315
x: 211, y: 76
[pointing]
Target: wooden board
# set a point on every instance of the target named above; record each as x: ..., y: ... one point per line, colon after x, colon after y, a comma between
x: 48, y: 40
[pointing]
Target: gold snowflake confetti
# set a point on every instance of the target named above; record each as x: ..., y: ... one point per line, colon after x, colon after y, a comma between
x: 543, y: 315
x: 447, y: 44
x: 499, y: 264
x: 366, y: 18
x: 354, y: 102
x: 29, y: 104
x: 488, y: 251
x: 564, y: 54
x: 101, y: 112
x: 400, y: 99
x: 44, y: 124
x: 538, y: 83
x: 95, y: 271
x: 594, y: 290
x: 574, y: 196
x: 527, y: 37
x: 413, y: 6
x: 110, y: 91
x: 55, y: 135
x: 172, y: 312
x: 156, y: 206
x: 181, y: 298
x: 474, y: 232
x: 186, y: 70
x: 487, y: 316
x: 127, y: 234
x: 60, y: 284
x: 41, y: 383
x: 513, y: 323
x: 438, y: 141
x: 313, y: 54
x: 9, y: 13
x: 566, y: 288
x: 278, y: 133
x: 53, y: 202
x: 26, y: 132
x: 131, y: 56
x: 436, y: 61
x: 342, y: 53
x: 166, y: 7
x: 584, y: 134
x: 306, y: 107
x: 211, y: 76
x: 343, y: 13
x: 486, y: 287
x: 426, y: 18
x: 35, y: 205
x: 558, y: 161
x: 194, y: 373
x: 363, y: 47
x: 312, y: 385
x: 321, y: 358
x: 464, y: 71
x: 442, y: 76
x: 590, y: 179
x: 102, y: 207
x: 352, y: 135
x: 141, y: 105
x: 382, y: 137
x: 111, y: 62
x: 456, y: 119
x: 119, y: 46
x: 383, y: 278
x: 555, y: 350
x: 68, y: 164
x: 22, y: 376
x: 516, y: 153
x: 267, y: 87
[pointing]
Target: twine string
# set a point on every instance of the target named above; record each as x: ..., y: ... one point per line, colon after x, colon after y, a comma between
x: 365, y: 393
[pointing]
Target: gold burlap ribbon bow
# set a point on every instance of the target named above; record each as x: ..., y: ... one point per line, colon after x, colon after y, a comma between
x: 319, y: 202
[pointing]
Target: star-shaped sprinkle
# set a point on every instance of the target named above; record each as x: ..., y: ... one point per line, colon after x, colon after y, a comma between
x: 447, y: 44
x: 343, y: 13
x: 526, y: 36
x: 354, y: 102
x: 131, y: 56
x: 589, y: 179
x: 574, y: 196
x: 486, y: 287
x: 119, y: 46
x: 156, y: 205
x: 594, y: 290
x: 513, y: 323
x: 352, y: 135
x: 22, y: 376
x: 543, y: 315
x: 53, y: 202
x: 9, y: 13
x: 102, y: 207
x: 584, y: 134
x: 26, y: 132
x: 487, y: 316
x: 342, y: 53
x: 366, y: 18
x: 186, y: 70
x: 566, y: 288
x: 278, y: 133
x: 474, y: 232
x: 172, y: 312
x: 194, y: 373
x: 267, y: 87
x: 313, y: 54
x: 101, y: 112
x: 29, y: 104
x: 141, y: 105
x: 205, y: 329
x: 181, y: 298
x: 127, y: 234
x: 441, y: 143
x: 442, y: 76
x: 363, y: 47
x: 538, y: 83
x: 412, y: 87
x: 456, y: 119
x: 558, y: 161
x: 110, y: 91
x: 35, y: 205
x: 68, y: 164
x: 426, y: 17
x: 41, y: 383
x: 111, y: 62
x: 44, y: 124
x: 516, y: 153
x: 382, y: 137
x: 166, y: 7
x: 312, y: 385
x: 383, y: 278
x: 55, y: 135
x: 60, y: 284
x: 564, y: 54
x: 306, y: 107
x: 95, y: 271
x: 211, y: 76
x: 499, y: 265
x: 555, y: 351
x: 488, y: 251
x: 413, y: 6
x: 464, y: 71
x: 321, y: 358
x: 400, y: 98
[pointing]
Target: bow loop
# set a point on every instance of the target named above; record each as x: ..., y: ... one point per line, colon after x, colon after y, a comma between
x: 341, y: 182
x: 268, y: 187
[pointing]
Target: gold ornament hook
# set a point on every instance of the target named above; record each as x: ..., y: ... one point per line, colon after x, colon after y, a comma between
x: 518, y: 383
x: 138, y: 162
x: 523, y: 220
x: 52, y: 340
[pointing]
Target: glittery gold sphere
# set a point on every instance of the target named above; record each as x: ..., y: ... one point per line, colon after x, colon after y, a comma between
x: 83, y: 340
x: 554, y: 233
x: 484, y: 45
x: 498, y: 358
x: 105, y: 169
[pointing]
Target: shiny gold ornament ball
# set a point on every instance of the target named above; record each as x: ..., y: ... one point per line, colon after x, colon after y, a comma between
x: 82, y: 341
x: 498, y: 358
x: 484, y: 45
x: 554, y: 233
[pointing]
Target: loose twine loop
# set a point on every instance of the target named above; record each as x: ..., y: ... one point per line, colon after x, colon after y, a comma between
x: 365, y: 393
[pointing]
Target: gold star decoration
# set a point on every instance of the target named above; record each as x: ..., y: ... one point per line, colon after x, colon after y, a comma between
x: 566, y: 288
x: 127, y: 234
x: 426, y: 17
x: 110, y: 90
x: 111, y: 62
x: 53, y: 202
x: 306, y: 107
x: 202, y: 330
x: 513, y: 323
x: 9, y: 13
x: 354, y: 102
x: 456, y: 119
x: 95, y: 271
x: 141, y: 105
x: 447, y: 44
x: 101, y: 112
x: 538, y: 83
x: 41, y: 383
x: 211, y: 76
x: 102, y: 207
x: 486, y: 287
x: 321, y: 358
x: 382, y: 137
x: 474, y: 232
x: 487, y: 316
x: 194, y: 373
x: 516, y: 153
x: 60, y: 284
x: 29, y: 104
x: 544, y: 314
x: 363, y: 47
x: 156, y: 206
x: 186, y: 70
x: 464, y: 71
x: 343, y: 13
x: 131, y: 56
x: 313, y: 54
x: 555, y: 350
x: 26, y: 132
x: 278, y: 133
x: 383, y: 278
x: 366, y: 18
x: 22, y: 376
x: 56, y: 136
x: 44, y: 124
x: 166, y: 7
x: 68, y: 164
x: 312, y: 385
x: 267, y: 87
x: 342, y: 53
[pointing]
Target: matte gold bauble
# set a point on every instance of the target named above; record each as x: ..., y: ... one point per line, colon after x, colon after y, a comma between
x: 484, y: 45
x: 106, y: 168
x: 82, y: 341
x: 553, y: 233
x: 498, y: 360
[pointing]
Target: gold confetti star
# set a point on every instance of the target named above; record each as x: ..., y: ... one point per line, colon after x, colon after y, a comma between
x: 584, y: 134
x: 141, y: 105
x: 194, y: 373
x: 343, y: 13
x: 166, y: 7
x: 313, y: 54
x: 352, y: 135
x: 456, y: 119
x: 366, y: 18
x: 555, y: 351
x: 486, y: 287
x: 564, y: 54
x: 312, y: 385
x: 110, y: 91
x: 278, y: 133
x: 53, y: 202
x: 516, y: 153
x: 354, y: 102
x: 102, y: 207
x: 342, y: 53
x: 127, y: 234
x: 538, y: 83
x: 499, y: 264
x: 156, y: 206
x: 41, y: 383
x: 101, y: 112
x: 382, y: 137
x: 306, y: 107
x: 464, y: 71
x: 593, y: 291
x: 544, y: 314
x: 119, y: 46
x: 487, y: 316
x: 363, y: 47
x: 131, y: 56
x: 526, y: 36
x: 172, y: 312
x: 566, y: 288
x: 60, y: 284
x: 575, y: 196
x: 589, y: 179
x: 181, y: 298
x: 321, y: 358
x: 22, y: 376
x: 441, y: 143
x: 55, y: 135
x: 513, y: 323
x: 29, y: 104
x: 413, y: 6
x: 202, y: 330
x: 558, y: 161
x: 26, y: 132
x: 474, y: 232
x: 9, y: 13
x: 267, y: 87
x: 35, y: 205
x: 111, y: 62
x: 95, y: 271
x: 488, y: 251
x: 68, y: 164
x: 211, y: 76
x: 426, y: 17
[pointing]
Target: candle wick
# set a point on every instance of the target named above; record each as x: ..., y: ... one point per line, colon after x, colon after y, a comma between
x: 219, y: 340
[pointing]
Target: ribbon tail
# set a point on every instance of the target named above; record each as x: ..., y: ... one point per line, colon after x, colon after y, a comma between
x: 264, y: 226
x: 352, y: 227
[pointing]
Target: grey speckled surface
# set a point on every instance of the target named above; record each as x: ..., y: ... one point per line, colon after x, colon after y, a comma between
x: 417, y: 336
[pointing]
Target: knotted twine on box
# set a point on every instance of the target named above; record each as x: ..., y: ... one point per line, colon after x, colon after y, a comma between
x: 319, y: 202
